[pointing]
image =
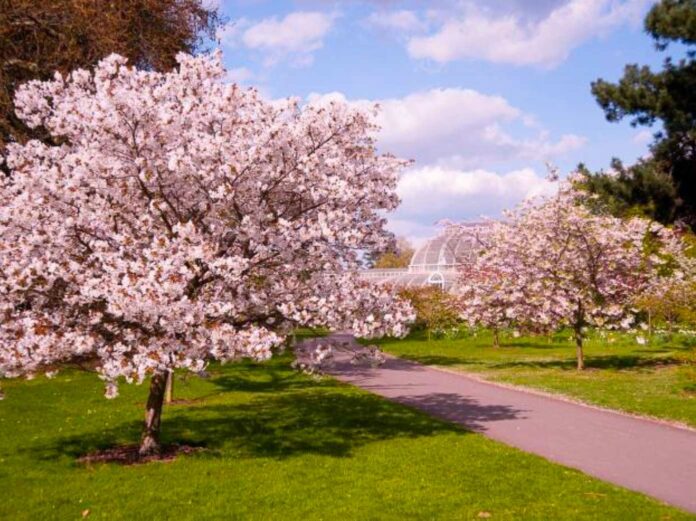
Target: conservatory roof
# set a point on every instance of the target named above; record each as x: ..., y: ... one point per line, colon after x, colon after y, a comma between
x: 433, y: 263
x: 443, y: 252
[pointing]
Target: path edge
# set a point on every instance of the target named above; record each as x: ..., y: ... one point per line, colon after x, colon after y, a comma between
x: 676, y: 424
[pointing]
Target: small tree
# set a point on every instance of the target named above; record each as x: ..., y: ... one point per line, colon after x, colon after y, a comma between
x: 556, y: 264
x: 399, y: 256
x: 485, y: 300
x: 435, y: 309
x: 670, y: 300
x: 184, y: 220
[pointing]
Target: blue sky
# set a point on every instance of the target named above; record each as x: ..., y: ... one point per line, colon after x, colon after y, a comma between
x: 480, y: 94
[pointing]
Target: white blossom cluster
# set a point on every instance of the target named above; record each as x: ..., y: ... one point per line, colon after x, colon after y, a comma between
x: 313, y: 359
x: 182, y: 219
x: 555, y: 263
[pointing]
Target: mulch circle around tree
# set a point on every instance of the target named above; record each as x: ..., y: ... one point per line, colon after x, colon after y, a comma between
x: 128, y: 454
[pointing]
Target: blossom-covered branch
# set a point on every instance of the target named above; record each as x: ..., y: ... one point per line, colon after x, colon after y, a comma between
x: 183, y: 220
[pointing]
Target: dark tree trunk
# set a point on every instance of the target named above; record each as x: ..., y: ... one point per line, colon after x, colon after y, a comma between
x: 578, y: 349
x: 496, y: 338
x: 150, y: 443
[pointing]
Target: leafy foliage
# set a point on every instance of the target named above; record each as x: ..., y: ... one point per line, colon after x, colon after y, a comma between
x: 399, y: 256
x: 641, y: 190
x: 667, y: 97
x: 436, y: 310
x: 38, y: 38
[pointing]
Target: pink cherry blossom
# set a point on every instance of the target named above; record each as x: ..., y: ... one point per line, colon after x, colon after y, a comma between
x: 553, y: 263
x: 181, y: 220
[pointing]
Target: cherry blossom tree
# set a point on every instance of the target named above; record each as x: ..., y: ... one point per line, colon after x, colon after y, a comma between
x: 482, y: 297
x: 183, y: 220
x: 553, y: 263
x: 671, y: 299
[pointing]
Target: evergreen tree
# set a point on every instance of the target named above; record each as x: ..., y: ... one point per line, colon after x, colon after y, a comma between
x: 664, y: 186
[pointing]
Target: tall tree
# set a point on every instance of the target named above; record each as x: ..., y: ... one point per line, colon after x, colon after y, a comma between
x: 184, y: 220
x: 640, y: 190
x: 667, y: 97
x: 40, y: 37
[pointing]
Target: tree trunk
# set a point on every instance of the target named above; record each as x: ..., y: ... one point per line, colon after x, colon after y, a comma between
x: 578, y: 349
x: 650, y: 324
x: 150, y: 443
x: 496, y: 338
x: 169, y: 389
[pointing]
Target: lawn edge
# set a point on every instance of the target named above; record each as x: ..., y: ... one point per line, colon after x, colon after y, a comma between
x: 562, y: 397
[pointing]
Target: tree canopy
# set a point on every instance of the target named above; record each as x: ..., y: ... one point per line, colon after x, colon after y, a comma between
x: 667, y: 98
x: 38, y: 38
x: 184, y: 220
x: 555, y: 263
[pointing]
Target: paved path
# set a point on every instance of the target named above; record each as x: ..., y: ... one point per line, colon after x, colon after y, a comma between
x: 650, y: 457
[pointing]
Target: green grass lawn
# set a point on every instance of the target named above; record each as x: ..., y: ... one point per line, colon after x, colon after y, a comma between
x: 279, y: 446
x: 657, y: 379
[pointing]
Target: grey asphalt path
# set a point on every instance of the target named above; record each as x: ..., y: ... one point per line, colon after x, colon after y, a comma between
x: 647, y: 456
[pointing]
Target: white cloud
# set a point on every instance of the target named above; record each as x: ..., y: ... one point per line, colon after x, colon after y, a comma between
x: 293, y: 38
x: 211, y: 5
x: 460, y: 127
x: 471, y: 32
x: 403, y: 21
x: 417, y: 233
x: 433, y: 193
x: 643, y: 137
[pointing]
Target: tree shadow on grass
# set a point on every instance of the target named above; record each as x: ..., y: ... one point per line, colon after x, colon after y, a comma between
x: 269, y: 381
x: 620, y: 362
x: 326, y: 422
x: 512, y: 344
x: 438, y: 360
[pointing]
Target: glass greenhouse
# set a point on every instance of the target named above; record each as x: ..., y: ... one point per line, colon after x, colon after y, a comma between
x: 434, y: 263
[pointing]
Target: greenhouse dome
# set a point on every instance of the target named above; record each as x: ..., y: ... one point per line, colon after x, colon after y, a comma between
x: 434, y: 263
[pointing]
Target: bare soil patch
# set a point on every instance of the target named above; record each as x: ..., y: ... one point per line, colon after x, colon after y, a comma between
x: 128, y: 454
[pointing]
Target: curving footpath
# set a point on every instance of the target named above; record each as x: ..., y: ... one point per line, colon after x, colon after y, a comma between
x: 643, y: 455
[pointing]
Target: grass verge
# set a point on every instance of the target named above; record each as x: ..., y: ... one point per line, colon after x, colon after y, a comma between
x: 279, y: 445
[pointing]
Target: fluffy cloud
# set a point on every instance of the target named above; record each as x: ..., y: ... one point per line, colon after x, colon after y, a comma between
x: 403, y: 21
x: 460, y: 127
x: 295, y: 37
x: 514, y: 37
x: 433, y: 193
x: 436, y: 192
x: 416, y: 232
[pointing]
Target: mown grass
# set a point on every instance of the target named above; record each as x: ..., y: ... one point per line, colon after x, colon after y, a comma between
x: 657, y: 379
x: 279, y: 445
